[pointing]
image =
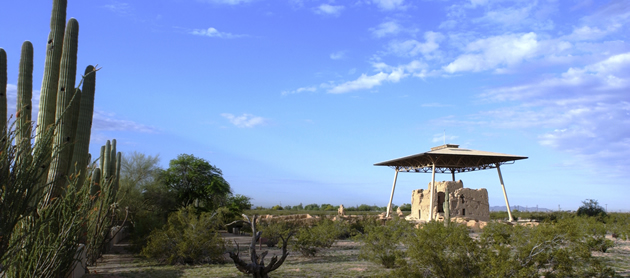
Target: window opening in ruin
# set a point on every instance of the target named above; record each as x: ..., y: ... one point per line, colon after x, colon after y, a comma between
x: 461, y: 198
x: 463, y: 212
x: 441, y: 201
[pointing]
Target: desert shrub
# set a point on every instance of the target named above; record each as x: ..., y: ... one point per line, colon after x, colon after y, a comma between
x: 591, y: 208
x: 186, y: 238
x: 595, y: 234
x: 438, y: 250
x: 405, y: 207
x: 311, y: 240
x: 618, y: 224
x: 359, y: 225
x: 272, y: 231
x: 381, y: 243
x: 549, y: 250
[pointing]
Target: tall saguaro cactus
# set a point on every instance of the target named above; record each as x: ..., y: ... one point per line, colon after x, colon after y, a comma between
x: 3, y: 93
x: 24, y: 96
x: 80, y: 155
x: 48, y: 97
x: 63, y: 135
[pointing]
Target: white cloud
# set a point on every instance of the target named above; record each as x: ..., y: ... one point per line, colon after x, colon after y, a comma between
x: 591, y: 33
x: 227, y: 2
x: 584, y: 111
x: 119, y: 8
x: 386, y: 74
x: 495, y: 52
x: 328, y: 9
x: 411, y: 48
x: 299, y: 90
x: 214, y: 33
x: 245, y: 120
x: 386, y: 28
x: 107, y: 121
x: 388, y: 5
x: 591, y: 81
x: 338, y: 55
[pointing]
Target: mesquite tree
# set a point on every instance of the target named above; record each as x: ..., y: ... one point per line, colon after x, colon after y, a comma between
x: 257, y: 267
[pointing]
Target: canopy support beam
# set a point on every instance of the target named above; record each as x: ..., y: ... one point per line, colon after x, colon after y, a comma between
x: 432, y: 189
x: 391, y: 197
x: 507, y: 203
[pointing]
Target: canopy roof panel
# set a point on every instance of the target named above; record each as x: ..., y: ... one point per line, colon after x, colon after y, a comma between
x: 450, y: 158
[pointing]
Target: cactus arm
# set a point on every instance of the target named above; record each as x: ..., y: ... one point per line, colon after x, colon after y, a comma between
x: 57, y: 173
x: 3, y: 93
x: 24, y: 96
x: 48, y: 96
x: 117, y: 177
x: 84, y: 124
x: 73, y: 110
x: 95, y: 186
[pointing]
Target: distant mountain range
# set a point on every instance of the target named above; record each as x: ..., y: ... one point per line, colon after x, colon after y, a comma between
x: 519, y: 208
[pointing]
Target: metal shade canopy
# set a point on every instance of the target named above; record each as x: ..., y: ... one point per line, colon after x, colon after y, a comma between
x: 449, y: 158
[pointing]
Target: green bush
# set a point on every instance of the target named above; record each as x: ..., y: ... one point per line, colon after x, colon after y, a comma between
x: 311, y: 240
x: 618, y: 224
x: 276, y: 207
x: 436, y: 250
x: 272, y: 231
x: 550, y: 249
x: 186, y: 238
x: 591, y: 208
x: 381, y: 243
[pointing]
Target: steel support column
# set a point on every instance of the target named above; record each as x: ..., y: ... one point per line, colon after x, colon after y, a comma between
x: 507, y: 204
x: 391, y: 197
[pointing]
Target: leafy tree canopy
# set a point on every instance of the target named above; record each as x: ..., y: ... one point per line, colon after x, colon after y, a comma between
x: 591, y: 207
x: 196, y: 182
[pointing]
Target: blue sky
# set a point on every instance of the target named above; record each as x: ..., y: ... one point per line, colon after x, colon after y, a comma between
x: 295, y: 100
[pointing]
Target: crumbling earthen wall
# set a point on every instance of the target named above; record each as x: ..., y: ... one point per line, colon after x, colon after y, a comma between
x: 464, y: 202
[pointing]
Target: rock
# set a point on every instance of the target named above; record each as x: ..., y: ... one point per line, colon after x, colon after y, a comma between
x: 399, y: 212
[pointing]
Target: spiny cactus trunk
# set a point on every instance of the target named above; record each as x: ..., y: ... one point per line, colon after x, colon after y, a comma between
x: 80, y: 155
x: 50, y: 82
x: 57, y: 175
x: 24, y: 95
x: 3, y: 93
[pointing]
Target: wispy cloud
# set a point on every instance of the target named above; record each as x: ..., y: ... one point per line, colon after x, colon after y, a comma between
x: 386, y: 28
x: 226, y: 2
x: 385, y: 73
x: 108, y: 121
x: 120, y: 8
x: 214, y: 33
x: 299, y: 90
x: 245, y: 120
x: 583, y: 111
x: 389, y: 5
x: 495, y: 52
x: 338, y: 55
x: 327, y: 9
x: 411, y: 48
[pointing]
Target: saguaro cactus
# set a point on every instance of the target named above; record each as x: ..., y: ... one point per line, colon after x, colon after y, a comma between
x: 48, y: 97
x: 3, y: 93
x: 84, y: 125
x: 59, y: 166
x: 24, y: 96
